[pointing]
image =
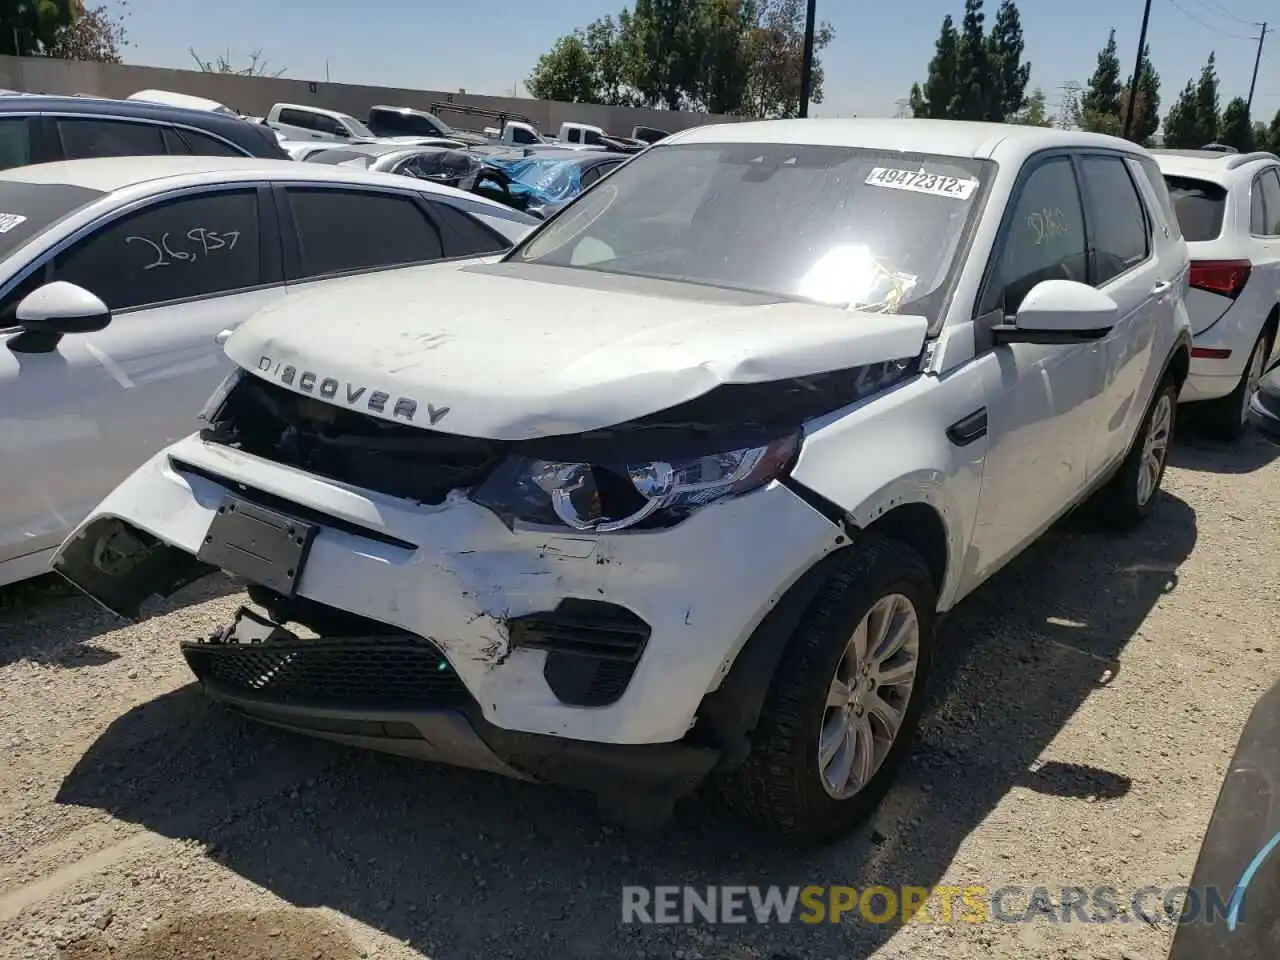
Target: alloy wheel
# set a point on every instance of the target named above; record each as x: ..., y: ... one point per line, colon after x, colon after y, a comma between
x: 868, y: 696
x: 1155, y: 447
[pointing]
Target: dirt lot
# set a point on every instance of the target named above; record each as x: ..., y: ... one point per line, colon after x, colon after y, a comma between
x: 1087, y: 704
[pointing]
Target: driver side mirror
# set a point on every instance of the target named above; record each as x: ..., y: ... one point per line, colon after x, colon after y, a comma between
x: 1060, y: 312
x: 50, y: 312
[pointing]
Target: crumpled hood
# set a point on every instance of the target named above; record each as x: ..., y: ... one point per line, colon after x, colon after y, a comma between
x: 510, y: 352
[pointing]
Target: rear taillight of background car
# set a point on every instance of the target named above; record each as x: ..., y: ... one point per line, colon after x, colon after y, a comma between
x: 1224, y: 277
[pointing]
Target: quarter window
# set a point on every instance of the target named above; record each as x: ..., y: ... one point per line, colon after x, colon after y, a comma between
x: 1118, y: 225
x: 177, y: 249
x: 340, y: 231
x: 83, y: 138
x: 1044, y: 239
x: 204, y: 145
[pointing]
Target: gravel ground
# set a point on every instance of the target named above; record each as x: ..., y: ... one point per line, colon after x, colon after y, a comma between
x: 1083, y: 716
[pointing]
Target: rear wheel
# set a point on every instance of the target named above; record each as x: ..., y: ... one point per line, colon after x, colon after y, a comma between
x: 1130, y: 495
x: 846, y: 699
x: 1227, y: 418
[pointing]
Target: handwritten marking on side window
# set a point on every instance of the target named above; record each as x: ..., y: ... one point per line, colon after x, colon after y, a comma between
x: 203, y: 243
x: 1046, y: 224
x: 921, y: 181
x: 10, y: 220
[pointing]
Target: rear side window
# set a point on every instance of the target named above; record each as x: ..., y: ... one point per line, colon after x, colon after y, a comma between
x: 83, y: 138
x: 1200, y: 206
x: 1118, y: 230
x: 340, y: 231
x: 15, y: 142
x: 1268, y: 187
x: 1161, y: 190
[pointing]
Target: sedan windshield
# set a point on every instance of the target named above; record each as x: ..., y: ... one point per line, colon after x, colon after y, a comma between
x: 357, y: 128
x: 846, y: 226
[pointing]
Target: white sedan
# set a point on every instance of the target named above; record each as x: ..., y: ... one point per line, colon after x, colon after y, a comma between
x: 120, y: 279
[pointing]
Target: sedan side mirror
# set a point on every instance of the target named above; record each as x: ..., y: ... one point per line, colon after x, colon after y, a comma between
x: 49, y: 312
x: 59, y: 308
x: 1060, y: 312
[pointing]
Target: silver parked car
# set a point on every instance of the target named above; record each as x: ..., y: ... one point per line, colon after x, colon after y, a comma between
x: 121, y: 277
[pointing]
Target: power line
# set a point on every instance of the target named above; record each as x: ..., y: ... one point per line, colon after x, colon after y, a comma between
x: 1219, y: 10
x: 1208, y: 26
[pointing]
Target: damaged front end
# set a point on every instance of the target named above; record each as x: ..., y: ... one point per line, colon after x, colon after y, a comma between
x: 586, y: 590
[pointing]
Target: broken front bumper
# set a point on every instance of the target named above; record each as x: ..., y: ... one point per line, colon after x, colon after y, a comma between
x: 501, y: 607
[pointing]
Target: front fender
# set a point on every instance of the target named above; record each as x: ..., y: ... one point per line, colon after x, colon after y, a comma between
x: 897, y: 449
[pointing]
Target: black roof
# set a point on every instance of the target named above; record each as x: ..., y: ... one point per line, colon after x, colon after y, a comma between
x: 257, y: 139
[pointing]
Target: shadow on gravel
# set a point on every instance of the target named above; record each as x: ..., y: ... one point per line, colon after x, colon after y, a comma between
x: 464, y: 865
x: 1250, y: 453
x: 47, y: 620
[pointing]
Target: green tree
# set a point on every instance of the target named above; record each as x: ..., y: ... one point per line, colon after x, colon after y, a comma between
x: 776, y: 53
x: 566, y: 73
x: 1035, y: 113
x: 1100, y: 106
x: 97, y: 35
x: 665, y: 50
x: 1272, y: 139
x: 1206, y: 103
x: 727, y: 27
x: 1180, y: 128
x: 1005, y: 47
x: 603, y: 40
x: 934, y: 98
x: 1146, y: 117
x: 1237, y: 129
x: 974, y: 76
x: 29, y: 28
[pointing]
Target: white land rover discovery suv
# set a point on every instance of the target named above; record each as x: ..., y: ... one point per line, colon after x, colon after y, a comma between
x: 678, y: 488
x: 1228, y: 210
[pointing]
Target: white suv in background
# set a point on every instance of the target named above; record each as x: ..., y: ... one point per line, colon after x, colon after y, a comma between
x: 1228, y: 208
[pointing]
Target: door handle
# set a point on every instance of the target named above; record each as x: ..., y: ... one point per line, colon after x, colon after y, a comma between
x: 1161, y: 288
x: 224, y: 335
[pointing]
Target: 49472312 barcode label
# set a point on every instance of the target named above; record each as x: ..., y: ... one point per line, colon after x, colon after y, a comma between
x: 922, y: 181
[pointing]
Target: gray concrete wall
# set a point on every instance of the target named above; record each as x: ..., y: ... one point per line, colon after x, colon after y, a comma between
x: 255, y: 95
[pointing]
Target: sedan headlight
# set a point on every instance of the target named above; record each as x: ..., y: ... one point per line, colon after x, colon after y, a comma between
x: 629, y: 495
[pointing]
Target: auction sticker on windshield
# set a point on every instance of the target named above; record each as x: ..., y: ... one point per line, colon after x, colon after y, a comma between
x: 922, y: 181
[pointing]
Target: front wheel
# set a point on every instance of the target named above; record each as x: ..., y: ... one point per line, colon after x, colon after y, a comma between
x: 846, y: 699
x: 1130, y: 495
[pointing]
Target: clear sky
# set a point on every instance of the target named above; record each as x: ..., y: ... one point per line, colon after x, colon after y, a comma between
x: 489, y: 46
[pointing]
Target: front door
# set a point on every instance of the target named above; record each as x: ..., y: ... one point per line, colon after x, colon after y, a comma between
x: 1043, y: 399
x: 78, y: 419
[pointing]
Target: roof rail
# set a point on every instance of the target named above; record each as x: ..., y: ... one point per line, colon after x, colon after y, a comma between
x: 1240, y: 159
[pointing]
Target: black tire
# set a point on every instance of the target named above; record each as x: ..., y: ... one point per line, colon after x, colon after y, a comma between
x: 1119, y: 504
x: 1226, y: 419
x: 780, y: 783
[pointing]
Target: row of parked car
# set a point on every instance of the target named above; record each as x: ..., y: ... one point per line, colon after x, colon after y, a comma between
x: 667, y: 487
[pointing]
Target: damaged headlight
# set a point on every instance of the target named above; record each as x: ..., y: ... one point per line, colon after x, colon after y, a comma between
x: 625, y: 495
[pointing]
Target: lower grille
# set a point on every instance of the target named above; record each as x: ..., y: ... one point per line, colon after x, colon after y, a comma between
x: 338, y: 674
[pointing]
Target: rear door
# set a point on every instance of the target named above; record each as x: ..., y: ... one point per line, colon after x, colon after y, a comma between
x: 176, y: 272
x: 1123, y: 264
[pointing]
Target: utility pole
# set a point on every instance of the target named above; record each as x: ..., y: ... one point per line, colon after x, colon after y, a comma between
x: 1256, y: 60
x: 806, y: 63
x: 1137, y: 71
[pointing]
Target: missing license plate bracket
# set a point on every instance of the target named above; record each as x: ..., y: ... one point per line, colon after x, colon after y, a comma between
x: 260, y: 545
